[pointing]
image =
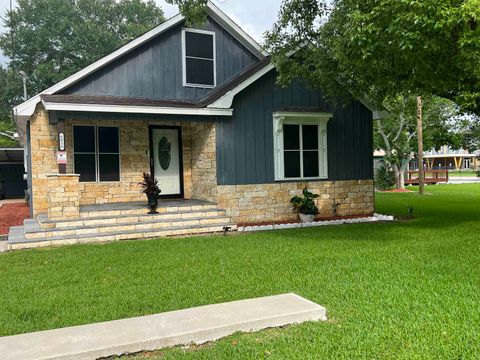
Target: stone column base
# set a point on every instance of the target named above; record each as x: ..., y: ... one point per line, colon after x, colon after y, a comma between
x: 63, y: 196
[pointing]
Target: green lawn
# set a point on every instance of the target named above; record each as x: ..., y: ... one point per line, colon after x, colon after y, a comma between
x: 453, y: 173
x: 404, y: 290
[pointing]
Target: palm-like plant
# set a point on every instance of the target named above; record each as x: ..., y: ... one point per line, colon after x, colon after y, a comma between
x: 149, y: 185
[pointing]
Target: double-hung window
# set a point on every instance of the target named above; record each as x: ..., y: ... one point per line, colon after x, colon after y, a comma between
x: 96, y: 153
x: 198, y: 55
x: 300, y: 145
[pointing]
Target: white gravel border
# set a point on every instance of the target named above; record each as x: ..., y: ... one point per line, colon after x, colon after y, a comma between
x: 374, y: 218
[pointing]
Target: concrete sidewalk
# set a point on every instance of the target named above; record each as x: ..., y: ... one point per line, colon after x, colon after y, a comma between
x: 194, y: 325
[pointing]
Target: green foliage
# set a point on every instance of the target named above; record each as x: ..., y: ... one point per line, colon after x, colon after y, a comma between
x: 442, y: 123
x: 382, y: 48
x: 305, y: 204
x: 384, y: 178
x: 193, y: 10
x: 51, y: 39
x: 149, y: 185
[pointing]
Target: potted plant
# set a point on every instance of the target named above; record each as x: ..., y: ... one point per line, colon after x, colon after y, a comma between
x: 305, y: 205
x: 150, y: 188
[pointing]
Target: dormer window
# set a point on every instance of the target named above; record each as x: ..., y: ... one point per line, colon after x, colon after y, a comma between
x: 198, y: 52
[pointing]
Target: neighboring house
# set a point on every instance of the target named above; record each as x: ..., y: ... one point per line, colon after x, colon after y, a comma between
x: 448, y: 159
x: 12, y: 183
x: 199, y: 108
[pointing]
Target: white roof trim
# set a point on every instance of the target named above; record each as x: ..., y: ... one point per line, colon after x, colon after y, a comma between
x: 27, y: 108
x: 225, y: 102
x: 132, y: 109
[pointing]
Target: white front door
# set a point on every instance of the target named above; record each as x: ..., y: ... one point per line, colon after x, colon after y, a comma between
x: 166, y: 160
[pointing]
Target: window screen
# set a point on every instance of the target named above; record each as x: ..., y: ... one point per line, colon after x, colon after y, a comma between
x: 96, y: 153
x: 301, y: 151
x: 199, y: 59
x: 84, y: 157
x: 108, y: 154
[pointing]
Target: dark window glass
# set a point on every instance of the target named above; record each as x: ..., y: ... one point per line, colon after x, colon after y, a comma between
x: 291, y: 140
x: 310, y: 164
x: 199, y: 71
x: 107, y: 139
x: 292, y: 164
x: 310, y: 137
x: 198, y: 45
x: 85, y: 166
x: 109, y: 169
x: 84, y: 139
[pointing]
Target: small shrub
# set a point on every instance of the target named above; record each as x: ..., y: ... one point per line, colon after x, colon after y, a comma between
x: 305, y: 204
x: 384, y: 178
x: 478, y: 173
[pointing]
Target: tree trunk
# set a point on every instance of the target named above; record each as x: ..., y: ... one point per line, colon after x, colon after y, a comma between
x: 401, y: 180
x: 421, y: 174
x: 399, y: 177
x: 396, y: 173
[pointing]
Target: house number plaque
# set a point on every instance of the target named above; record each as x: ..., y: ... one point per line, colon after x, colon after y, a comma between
x: 61, y: 141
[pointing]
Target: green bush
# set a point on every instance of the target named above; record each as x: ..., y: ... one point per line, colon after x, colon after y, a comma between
x: 384, y: 178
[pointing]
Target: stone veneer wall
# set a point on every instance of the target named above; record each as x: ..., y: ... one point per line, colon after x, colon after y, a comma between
x: 271, y: 202
x: 199, y: 165
x: 134, y: 159
x: 63, y: 197
x: 204, y: 162
x: 44, y: 142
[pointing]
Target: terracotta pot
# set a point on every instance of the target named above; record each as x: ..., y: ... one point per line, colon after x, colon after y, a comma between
x: 307, y: 218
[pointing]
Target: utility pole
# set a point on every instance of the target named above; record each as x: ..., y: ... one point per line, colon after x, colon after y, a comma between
x: 24, y: 79
x: 421, y: 173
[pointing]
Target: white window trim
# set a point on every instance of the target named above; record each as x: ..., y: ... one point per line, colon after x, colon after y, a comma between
x: 184, y: 59
x: 300, y: 118
x: 97, y: 154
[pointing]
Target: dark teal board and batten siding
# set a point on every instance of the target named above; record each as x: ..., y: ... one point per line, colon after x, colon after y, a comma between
x: 154, y: 70
x: 245, y: 141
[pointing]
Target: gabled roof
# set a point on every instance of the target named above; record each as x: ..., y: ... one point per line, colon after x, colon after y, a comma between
x: 27, y: 108
x: 217, y: 102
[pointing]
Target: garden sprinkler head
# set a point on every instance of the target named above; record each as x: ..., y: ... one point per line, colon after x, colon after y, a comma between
x: 226, y: 229
x: 410, y: 211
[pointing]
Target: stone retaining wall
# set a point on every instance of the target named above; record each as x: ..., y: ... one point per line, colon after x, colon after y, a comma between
x: 271, y: 202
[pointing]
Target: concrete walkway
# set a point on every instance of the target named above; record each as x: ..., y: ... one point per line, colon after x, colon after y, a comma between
x: 194, y: 325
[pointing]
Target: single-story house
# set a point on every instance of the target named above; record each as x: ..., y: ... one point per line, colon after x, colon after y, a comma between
x: 447, y: 158
x: 199, y: 108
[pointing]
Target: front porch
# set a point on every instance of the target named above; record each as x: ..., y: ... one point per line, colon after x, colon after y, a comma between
x: 71, y: 169
x: 122, y: 221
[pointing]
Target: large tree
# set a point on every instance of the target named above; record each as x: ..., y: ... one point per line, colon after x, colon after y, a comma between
x: 396, y: 134
x: 382, y: 48
x: 51, y: 39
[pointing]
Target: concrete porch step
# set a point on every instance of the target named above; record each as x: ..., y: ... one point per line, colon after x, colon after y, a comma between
x: 34, y: 231
x: 140, y: 208
x: 17, y: 239
x: 182, y: 327
x: 128, y: 219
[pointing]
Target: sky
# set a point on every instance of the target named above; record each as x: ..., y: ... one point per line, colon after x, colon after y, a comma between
x: 253, y: 16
